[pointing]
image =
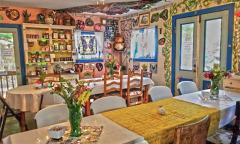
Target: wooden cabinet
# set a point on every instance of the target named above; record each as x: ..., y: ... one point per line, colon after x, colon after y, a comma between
x: 232, y: 84
x: 47, y: 45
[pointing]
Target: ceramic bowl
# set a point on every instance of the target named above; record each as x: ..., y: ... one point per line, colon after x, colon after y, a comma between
x: 161, y: 110
x: 56, y: 132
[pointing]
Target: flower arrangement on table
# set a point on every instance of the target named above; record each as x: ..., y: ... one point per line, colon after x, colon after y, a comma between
x: 216, y: 75
x: 75, y: 96
x: 111, y: 64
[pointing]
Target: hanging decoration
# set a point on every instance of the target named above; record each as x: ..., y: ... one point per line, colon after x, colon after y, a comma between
x: 144, y: 19
x: 161, y: 41
x: 97, y: 27
x: 153, y: 67
x: 99, y: 66
x: 164, y: 15
x: 136, y: 66
x: 78, y: 67
x: 26, y: 16
x: 89, y: 22
x: 155, y: 17
x: 41, y: 18
x: 12, y: 14
x: 119, y: 43
x: 80, y: 25
x: 135, y: 21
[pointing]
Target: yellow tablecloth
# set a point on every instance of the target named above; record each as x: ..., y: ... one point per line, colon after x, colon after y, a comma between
x: 158, y: 129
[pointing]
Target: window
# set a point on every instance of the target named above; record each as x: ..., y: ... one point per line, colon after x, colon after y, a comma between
x: 144, y: 45
x: 89, y: 46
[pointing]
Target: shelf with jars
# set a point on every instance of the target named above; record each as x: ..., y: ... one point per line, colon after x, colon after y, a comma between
x: 45, y: 45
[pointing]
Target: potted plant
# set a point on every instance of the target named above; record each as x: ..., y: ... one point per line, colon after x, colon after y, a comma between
x: 26, y: 16
x: 216, y: 76
x: 75, y: 96
x: 110, y: 63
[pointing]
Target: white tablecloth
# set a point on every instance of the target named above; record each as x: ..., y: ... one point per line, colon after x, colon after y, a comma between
x: 111, y: 134
x: 25, y: 98
x: 226, y: 104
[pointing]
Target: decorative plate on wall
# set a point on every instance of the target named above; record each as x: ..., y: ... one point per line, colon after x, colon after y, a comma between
x: 89, y: 22
x: 144, y: 19
x: 99, y: 66
x: 13, y: 14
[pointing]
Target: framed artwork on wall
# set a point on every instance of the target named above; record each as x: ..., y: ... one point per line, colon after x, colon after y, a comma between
x: 144, y: 19
x: 89, y: 46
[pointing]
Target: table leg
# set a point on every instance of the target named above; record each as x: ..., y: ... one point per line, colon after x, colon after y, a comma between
x: 23, y: 124
x: 87, y: 108
x: 41, y: 101
x: 145, y: 97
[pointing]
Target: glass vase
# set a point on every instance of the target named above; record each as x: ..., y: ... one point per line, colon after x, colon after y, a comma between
x: 215, y: 88
x: 75, y: 117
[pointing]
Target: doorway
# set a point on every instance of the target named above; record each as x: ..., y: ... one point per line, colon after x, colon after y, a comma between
x: 200, y: 40
x: 12, y: 70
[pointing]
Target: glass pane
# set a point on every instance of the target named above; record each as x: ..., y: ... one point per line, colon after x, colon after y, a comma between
x: 7, y: 57
x: 212, y: 43
x: 7, y: 62
x: 187, y: 45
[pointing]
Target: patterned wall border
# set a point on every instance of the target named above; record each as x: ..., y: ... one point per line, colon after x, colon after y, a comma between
x: 187, y: 6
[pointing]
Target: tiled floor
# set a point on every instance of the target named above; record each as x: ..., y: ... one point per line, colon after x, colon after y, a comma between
x: 12, y: 125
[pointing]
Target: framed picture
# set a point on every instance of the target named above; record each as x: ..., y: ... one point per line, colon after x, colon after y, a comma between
x: 144, y: 19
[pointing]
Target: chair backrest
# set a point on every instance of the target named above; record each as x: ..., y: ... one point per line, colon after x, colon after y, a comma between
x: 107, y: 103
x: 52, y: 115
x: 195, y: 133
x: 135, y: 81
x: 147, y: 74
x: 159, y: 92
x: 113, y: 85
x: 186, y: 87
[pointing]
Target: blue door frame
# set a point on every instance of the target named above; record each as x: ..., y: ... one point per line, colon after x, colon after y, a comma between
x: 228, y: 7
x: 21, y: 49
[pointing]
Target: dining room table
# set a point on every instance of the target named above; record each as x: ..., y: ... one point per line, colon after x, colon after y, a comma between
x: 28, y: 98
x: 147, y: 124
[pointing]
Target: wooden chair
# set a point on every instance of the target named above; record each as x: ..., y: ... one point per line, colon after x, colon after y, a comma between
x: 134, y: 93
x: 147, y: 74
x: 7, y: 111
x: 195, y: 133
x: 228, y: 136
x: 113, y: 85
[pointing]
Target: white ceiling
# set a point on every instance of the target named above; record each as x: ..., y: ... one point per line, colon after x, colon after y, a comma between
x: 53, y: 4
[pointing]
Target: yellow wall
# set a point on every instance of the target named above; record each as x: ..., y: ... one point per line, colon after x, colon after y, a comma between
x: 163, y: 76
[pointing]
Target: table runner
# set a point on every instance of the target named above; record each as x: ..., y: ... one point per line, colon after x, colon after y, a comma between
x: 159, y: 129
